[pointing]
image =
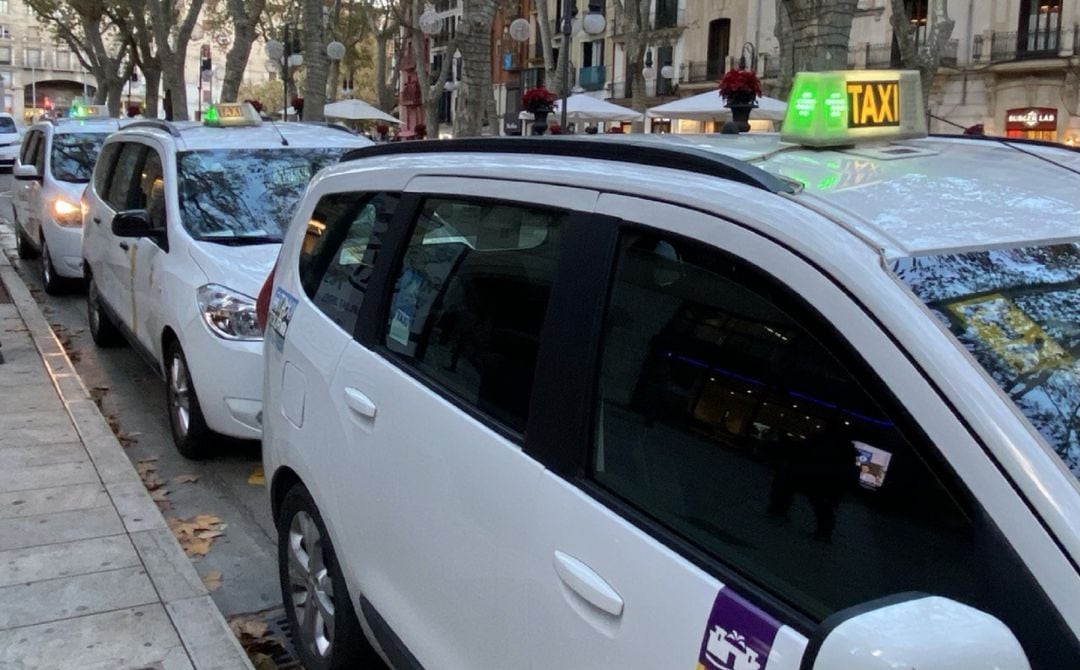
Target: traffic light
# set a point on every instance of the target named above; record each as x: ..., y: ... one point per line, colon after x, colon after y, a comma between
x: 204, y: 59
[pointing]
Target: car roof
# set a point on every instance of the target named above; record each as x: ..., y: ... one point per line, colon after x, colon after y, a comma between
x: 929, y: 195
x: 194, y: 136
x: 76, y: 126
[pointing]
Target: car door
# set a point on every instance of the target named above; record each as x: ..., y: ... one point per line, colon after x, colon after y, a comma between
x: 118, y: 255
x: 24, y: 188
x: 737, y: 472
x: 435, y: 487
x: 97, y: 234
x: 147, y: 257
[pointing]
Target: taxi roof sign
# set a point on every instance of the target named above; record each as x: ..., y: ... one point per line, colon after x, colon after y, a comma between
x: 841, y: 108
x: 231, y: 115
x: 83, y: 111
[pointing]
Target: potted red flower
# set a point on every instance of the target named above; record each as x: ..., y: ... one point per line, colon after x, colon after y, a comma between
x: 256, y: 105
x: 740, y: 89
x: 539, y: 102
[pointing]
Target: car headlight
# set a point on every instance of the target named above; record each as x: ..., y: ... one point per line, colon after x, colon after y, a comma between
x: 67, y: 213
x: 230, y: 314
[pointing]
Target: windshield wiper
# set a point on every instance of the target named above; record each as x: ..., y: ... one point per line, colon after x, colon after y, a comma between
x: 241, y: 240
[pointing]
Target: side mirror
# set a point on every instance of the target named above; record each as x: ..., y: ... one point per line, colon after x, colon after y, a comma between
x: 136, y: 223
x: 919, y: 631
x: 26, y: 172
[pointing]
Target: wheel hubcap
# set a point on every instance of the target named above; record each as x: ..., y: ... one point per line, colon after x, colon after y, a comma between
x: 180, y: 392
x: 311, y: 588
x: 46, y: 263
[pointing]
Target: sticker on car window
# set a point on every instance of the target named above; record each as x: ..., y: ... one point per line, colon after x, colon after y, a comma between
x: 738, y: 636
x: 280, y: 315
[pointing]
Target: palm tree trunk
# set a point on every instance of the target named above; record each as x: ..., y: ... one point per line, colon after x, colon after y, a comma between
x: 316, y: 63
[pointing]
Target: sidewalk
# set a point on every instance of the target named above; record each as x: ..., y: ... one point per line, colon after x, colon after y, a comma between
x: 90, y: 576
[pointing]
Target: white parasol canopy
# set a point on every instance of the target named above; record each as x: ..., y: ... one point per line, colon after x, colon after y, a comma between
x: 583, y: 107
x: 710, y: 105
x: 354, y: 109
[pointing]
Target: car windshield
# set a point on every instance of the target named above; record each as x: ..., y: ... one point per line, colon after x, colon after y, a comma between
x: 229, y: 195
x: 7, y: 125
x: 1018, y: 312
x: 74, y: 154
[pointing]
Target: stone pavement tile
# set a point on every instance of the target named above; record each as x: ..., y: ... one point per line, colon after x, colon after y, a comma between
x: 14, y: 373
x: 32, y: 531
x: 42, y: 454
x: 66, y: 597
x: 171, y: 571
x: 39, y: 397
x: 22, y: 566
x: 206, y: 636
x: 49, y: 501
x: 17, y: 430
x: 129, y: 638
x: 47, y: 476
x: 136, y: 507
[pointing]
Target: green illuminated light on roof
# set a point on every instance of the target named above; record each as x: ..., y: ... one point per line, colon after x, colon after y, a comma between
x: 211, y: 115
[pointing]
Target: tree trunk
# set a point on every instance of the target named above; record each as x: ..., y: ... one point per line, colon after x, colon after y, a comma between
x: 316, y: 62
x: 474, y: 42
x: 819, y: 35
x: 173, y: 52
x: 101, y: 94
x: 175, y: 83
x: 382, y: 90
x: 245, y: 19
x: 114, y: 97
x: 547, y: 44
x: 152, y: 78
x: 928, y: 59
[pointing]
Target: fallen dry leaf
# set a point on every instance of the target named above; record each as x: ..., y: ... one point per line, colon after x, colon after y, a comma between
x: 185, y: 479
x: 257, y: 478
x: 262, y: 662
x: 212, y: 580
x: 197, y: 534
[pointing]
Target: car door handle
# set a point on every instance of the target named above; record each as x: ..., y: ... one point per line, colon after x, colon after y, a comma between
x: 97, y: 220
x: 581, y: 579
x: 125, y: 246
x: 359, y: 403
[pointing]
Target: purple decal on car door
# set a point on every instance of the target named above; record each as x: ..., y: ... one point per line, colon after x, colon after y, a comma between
x: 738, y: 636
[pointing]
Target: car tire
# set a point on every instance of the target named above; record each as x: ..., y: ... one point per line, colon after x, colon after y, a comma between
x: 53, y: 283
x: 22, y: 245
x: 189, y: 431
x: 102, y: 329
x: 313, y: 590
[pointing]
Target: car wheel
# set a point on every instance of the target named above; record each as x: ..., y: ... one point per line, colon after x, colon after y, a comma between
x: 317, y: 603
x: 189, y: 430
x: 22, y: 245
x: 50, y: 281
x: 102, y: 329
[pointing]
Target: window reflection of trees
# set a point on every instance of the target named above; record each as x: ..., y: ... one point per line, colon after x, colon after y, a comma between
x: 73, y: 156
x: 237, y: 192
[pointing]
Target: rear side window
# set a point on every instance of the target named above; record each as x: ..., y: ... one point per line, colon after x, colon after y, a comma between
x: 29, y: 146
x: 471, y: 298
x: 124, y: 188
x: 339, y: 251
x: 103, y: 170
x: 7, y: 125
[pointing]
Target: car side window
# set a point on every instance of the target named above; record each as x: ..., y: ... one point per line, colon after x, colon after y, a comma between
x: 470, y: 301
x: 724, y: 415
x: 124, y: 189
x: 29, y: 145
x: 151, y: 193
x: 40, y: 151
x: 340, y: 247
x: 104, y: 167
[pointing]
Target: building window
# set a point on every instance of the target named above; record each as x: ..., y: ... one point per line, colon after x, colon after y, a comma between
x: 33, y: 58
x: 5, y: 55
x: 1040, y: 26
x: 5, y: 32
x: 719, y: 47
x: 5, y: 6
x: 63, y: 59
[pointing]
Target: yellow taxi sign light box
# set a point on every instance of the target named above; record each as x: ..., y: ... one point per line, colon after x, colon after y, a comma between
x: 842, y: 108
x: 231, y: 115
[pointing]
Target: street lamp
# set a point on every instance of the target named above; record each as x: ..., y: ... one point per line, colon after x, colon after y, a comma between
x: 276, y: 51
x: 649, y: 71
x: 593, y: 23
x: 753, y: 56
x: 335, y: 51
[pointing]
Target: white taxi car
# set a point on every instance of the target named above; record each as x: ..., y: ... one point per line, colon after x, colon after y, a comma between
x: 182, y: 223
x: 51, y: 171
x: 724, y: 403
x: 10, y: 140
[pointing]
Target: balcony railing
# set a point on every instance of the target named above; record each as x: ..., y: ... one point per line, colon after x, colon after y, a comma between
x: 592, y: 78
x: 879, y: 57
x: 1028, y: 44
x: 696, y: 72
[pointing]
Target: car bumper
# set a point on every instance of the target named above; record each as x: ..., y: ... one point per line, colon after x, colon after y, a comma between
x: 228, y: 378
x: 7, y: 157
x: 65, y: 247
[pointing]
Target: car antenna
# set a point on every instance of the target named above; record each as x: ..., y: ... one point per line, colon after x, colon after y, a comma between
x: 284, y: 142
x: 1005, y: 142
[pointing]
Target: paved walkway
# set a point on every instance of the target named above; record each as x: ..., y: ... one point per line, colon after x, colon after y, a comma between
x: 90, y: 576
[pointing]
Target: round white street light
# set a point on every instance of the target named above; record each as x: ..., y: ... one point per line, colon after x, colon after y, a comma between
x: 450, y: 86
x: 296, y: 60
x: 272, y: 66
x: 430, y: 22
x: 649, y: 72
x: 594, y: 23
x: 667, y: 72
x: 520, y: 30
x: 335, y: 50
x: 275, y: 50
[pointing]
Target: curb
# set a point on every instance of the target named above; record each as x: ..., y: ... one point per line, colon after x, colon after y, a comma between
x: 202, y: 629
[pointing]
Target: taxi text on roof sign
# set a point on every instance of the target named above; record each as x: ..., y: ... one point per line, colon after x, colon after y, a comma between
x: 829, y: 109
x: 231, y: 115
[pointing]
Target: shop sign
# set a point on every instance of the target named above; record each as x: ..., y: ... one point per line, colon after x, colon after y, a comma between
x: 1031, y: 118
x: 511, y: 124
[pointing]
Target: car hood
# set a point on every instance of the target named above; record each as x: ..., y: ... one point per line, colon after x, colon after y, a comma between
x: 241, y: 268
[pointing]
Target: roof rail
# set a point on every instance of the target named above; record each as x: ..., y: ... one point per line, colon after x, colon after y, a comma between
x: 1022, y: 141
x: 689, y: 159
x: 158, y: 124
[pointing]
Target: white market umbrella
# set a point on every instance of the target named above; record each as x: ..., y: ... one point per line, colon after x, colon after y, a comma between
x: 290, y: 111
x: 581, y: 108
x: 355, y: 110
x: 710, y: 105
